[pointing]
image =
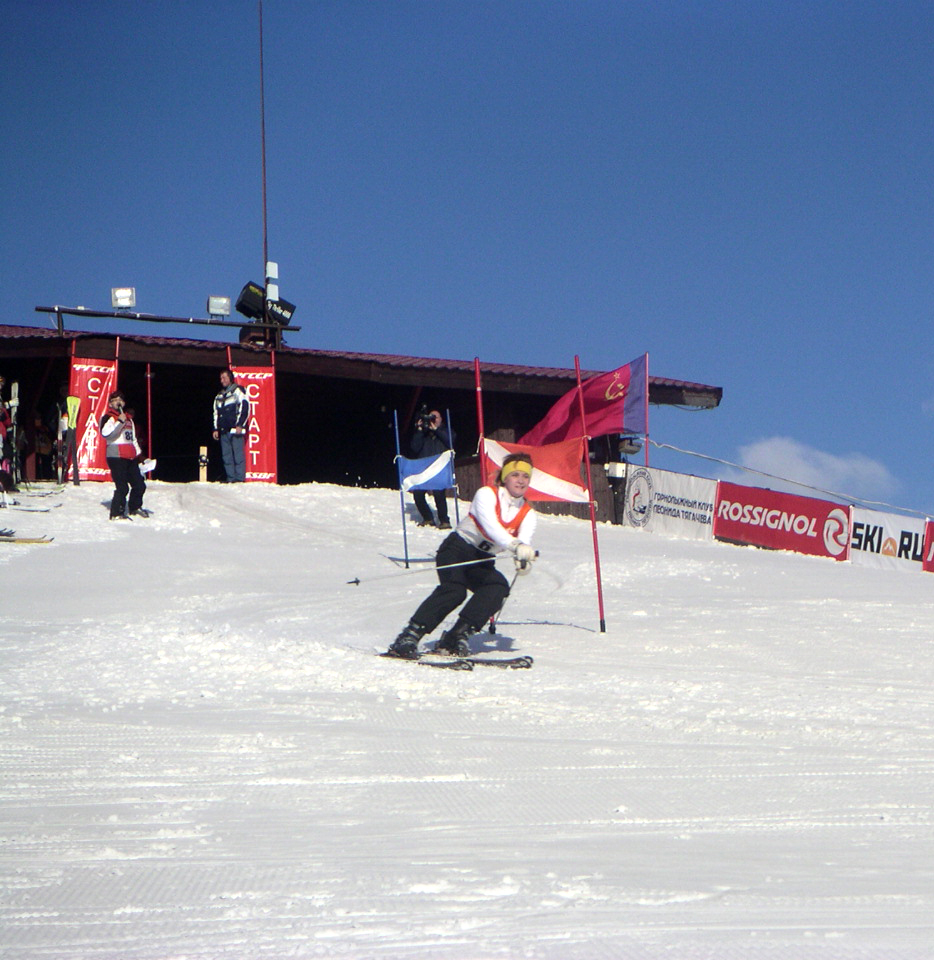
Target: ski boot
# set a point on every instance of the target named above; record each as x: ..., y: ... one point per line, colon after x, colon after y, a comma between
x: 454, y: 641
x: 406, y: 644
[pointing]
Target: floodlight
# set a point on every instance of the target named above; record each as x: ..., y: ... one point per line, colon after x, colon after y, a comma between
x: 219, y: 306
x: 122, y: 298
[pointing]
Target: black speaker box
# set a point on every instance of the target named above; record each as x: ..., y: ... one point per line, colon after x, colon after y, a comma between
x: 250, y: 301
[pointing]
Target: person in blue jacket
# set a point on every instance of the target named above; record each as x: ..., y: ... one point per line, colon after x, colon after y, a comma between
x: 430, y: 439
x: 231, y: 415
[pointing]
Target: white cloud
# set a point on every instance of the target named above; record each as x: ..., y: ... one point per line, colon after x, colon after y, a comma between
x: 854, y: 474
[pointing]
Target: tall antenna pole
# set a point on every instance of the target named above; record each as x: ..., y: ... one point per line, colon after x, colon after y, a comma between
x: 262, y: 124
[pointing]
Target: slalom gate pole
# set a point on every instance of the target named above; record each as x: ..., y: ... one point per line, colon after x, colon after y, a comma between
x: 646, y: 409
x: 480, y: 426
x: 405, y: 539
x: 457, y: 513
x: 593, y: 514
x: 149, y: 410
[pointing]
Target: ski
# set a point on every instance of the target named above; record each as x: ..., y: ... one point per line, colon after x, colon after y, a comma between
x: 446, y: 661
x: 509, y: 663
x: 506, y: 663
x: 450, y: 664
x: 6, y: 539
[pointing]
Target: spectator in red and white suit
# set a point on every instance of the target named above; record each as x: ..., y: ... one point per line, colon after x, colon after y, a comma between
x: 123, y: 458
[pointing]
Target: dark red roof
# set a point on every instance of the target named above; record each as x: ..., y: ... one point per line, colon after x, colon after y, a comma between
x: 397, y: 361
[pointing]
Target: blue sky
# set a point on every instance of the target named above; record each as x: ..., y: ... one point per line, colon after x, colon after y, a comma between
x: 743, y: 190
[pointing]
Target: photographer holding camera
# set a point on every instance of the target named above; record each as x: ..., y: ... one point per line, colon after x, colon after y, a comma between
x: 123, y: 457
x: 430, y: 439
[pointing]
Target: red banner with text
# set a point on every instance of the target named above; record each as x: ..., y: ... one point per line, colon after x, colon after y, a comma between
x: 260, y: 386
x: 781, y: 521
x: 92, y: 382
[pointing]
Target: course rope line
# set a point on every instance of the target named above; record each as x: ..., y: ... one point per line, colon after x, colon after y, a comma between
x: 846, y: 497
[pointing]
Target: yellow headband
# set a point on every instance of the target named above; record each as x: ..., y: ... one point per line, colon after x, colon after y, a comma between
x: 515, y: 466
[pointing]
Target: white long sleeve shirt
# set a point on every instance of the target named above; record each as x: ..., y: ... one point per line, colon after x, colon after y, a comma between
x: 493, y: 523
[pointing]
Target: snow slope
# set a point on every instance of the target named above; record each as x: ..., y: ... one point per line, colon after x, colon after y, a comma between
x: 201, y: 757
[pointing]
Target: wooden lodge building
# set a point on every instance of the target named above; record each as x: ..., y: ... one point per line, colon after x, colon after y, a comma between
x: 334, y: 409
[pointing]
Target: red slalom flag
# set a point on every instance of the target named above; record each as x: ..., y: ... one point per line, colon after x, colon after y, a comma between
x: 614, y: 402
x: 556, y: 468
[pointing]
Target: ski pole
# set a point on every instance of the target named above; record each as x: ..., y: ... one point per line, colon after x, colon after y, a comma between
x: 499, y: 613
x: 410, y: 573
x: 496, y: 616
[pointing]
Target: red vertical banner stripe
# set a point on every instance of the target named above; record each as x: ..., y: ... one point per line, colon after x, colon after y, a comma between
x: 260, y: 386
x: 927, y: 559
x: 92, y: 382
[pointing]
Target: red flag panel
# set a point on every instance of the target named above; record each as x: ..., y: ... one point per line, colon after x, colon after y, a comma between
x: 556, y: 468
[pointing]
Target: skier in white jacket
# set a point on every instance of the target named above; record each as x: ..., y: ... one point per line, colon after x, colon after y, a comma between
x: 499, y: 519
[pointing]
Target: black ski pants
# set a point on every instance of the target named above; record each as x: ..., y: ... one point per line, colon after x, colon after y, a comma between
x: 441, y: 505
x: 126, y: 477
x: 489, y: 587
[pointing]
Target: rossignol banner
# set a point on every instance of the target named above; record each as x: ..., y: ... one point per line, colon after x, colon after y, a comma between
x: 887, y: 540
x: 673, y: 504
x: 781, y: 521
x: 92, y: 382
x: 260, y: 386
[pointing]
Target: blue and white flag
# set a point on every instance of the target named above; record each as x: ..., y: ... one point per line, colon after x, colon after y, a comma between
x: 427, y: 473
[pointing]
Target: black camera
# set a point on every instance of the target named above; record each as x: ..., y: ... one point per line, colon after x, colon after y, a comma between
x: 425, y: 420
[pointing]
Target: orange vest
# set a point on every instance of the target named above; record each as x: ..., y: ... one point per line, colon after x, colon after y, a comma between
x: 513, y: 525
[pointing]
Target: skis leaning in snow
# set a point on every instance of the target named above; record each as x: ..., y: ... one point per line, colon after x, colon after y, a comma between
x: 40, y: 493
x: 448, y: 662
x: 6, y: 538
x: 16, y: 505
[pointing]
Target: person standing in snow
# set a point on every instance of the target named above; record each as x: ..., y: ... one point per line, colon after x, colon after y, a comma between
x: 231, y: 415
x: 123, y: 457
x: 499, y: 519
x: 431, y: 439
x: 63, y: 422
x: 6, y: 426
